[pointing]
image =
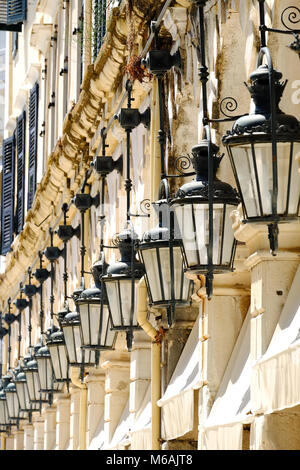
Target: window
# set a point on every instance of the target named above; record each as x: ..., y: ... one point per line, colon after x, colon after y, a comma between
x: 20, y: 146
x: 12, y: 14
x: 32, y: 154
x: 99, y: 25
x: 66, y: 57
x: 8, y: 194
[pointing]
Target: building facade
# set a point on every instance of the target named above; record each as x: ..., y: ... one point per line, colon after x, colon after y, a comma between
x: 96, y: 130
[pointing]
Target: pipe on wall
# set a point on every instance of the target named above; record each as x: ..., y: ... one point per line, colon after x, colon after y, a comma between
x: 155, y: 362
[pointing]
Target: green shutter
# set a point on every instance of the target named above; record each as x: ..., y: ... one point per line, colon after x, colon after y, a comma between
x: 20, y: 145
x: 8, y: 194
x: 32, y: 154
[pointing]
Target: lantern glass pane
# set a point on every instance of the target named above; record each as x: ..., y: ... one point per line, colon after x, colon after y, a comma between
x: 119, y: 293
x: 3, y: 413
x: 23, y: 395
x: 182, y: 284
x: 45, y: 373
x: 73, y: 342
x: 95, y: 310
x: 85, y: 322
x: 72, y: 334
x: 107, y: 335
x: 196, y: 241
x: 33, y: 387
x: 113, y: 294
x: 151, y: 266
x: 294, y: 197
x: 161, y: 272
x: 90, y: 322
x: 228, y: 236
x: 12, y: 404
x: 187, y: 225
x: 253, y: 166
x: 59, y: 360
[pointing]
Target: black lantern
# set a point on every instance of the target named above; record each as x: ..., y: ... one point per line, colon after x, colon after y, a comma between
x: 95, y: 315
x: 70, y: 325
x: 70, y: 321
x: 59, y: 355
x: 264, y: 148
x: 208, y: 239
x: 120, y: 282
x: 4, y: 417
x: 33, y: 380
x: 23, y: 393
x: 161, y: 254
x: 12, y: 400
x: 45, y: 371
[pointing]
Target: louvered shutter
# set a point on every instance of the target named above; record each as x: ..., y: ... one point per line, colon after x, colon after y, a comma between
x: 33, y: 129
x: 99, y: 24
x: 16, y: 11
x: 8, y: 194
x: 20, y: 144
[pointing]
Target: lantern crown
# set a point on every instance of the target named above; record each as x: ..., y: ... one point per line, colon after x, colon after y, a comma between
x: 199, y: 187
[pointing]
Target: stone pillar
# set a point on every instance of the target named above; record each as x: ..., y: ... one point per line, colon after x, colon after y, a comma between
x: 271, y: 279
x: 220, y: 323
x: 277, y: 431
x: 140, y: 370
x: 19, y: 440
x: 117, y: 376
x: 50, y: 428
x: 28, y: 436
x: 10, y: 442
x: 74, y: 417
x: 63, y: 422
x: 38, y: 435
x: 271, y: 276
x: 95, y: 382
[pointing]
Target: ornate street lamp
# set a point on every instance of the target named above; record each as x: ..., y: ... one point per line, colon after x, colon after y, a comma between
x: 4, y: 418
x: 48, y: 383
x: 42, y: 355
x: 59, y: 356
x: 20, y: 378
x: 23, y: 393
x: 160, y: 249
x: 95, y: 315
x: 161, y: 254
x: 207, y: 248
x: 13, y: 404
x: 92, y: 304
x: 55, y: 338
x: 33, y: 380
x: 70, y: 321
x: 120, y: 281
x: 30, y: 367
x: 122, y: 277
x: 264, y: 149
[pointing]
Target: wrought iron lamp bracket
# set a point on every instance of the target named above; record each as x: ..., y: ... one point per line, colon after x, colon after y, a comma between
x: 290, y: 15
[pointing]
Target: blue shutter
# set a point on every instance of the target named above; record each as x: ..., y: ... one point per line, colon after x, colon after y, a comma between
x: 8, y: 194
x: 32, y: 154
x: 16, y: 11
x: 20, y: 144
